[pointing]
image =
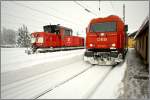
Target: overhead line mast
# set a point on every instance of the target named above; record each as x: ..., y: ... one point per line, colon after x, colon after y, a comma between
x: 124, y: 13
x: 99, y: 5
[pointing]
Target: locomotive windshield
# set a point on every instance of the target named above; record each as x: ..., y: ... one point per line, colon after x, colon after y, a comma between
x: 51, y: 29
x: 104, y: 27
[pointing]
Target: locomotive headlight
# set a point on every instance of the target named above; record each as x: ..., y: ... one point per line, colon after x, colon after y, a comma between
x: 91, y: 45
x: 33, y: 40
x: 40, y: 40
x: 102, y: 34
x: 113, y: 44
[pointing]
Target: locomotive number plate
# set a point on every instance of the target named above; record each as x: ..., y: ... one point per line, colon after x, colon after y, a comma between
x: 101, y: 39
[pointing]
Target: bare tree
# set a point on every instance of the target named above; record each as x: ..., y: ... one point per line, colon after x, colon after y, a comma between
x: 8, y: 37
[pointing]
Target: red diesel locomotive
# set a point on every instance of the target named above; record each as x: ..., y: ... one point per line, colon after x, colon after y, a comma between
x: 106, y: 41
x: 55, y: 37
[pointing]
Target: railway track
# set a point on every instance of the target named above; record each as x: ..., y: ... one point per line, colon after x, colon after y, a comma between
x: 77, y: 88
x: 48, y: 90
x: 70, y: 88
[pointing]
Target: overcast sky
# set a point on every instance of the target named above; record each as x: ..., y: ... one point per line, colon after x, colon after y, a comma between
x: 35, y: 14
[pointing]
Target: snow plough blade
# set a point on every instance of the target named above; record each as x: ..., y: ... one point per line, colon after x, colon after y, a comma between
x: 102, y: 59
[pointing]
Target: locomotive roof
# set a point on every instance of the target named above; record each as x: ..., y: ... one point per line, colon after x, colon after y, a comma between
x: 132, y: 34
x: 109, y: 18
x: 60, y: 26
x: 65, y: 27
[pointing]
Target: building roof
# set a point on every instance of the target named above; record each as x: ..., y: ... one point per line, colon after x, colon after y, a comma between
x: 142, y: 27
x: 132, y: 34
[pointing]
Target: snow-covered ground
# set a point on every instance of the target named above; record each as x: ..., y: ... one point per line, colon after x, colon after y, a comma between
x: 35, y: 86
x: 39, y: 72
x: 80, y: 87
x: 17, y: 65
x: 16, y: 58
x: 99, y: 82
x: 61, y: 75
x: 112, y: 84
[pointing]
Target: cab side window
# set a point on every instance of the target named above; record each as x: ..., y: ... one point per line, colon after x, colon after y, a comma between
x: 67, y: 32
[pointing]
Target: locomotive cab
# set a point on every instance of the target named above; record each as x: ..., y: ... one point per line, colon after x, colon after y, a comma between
x: 45, y: 39
x: 52, y: 29
x: 105, y: 41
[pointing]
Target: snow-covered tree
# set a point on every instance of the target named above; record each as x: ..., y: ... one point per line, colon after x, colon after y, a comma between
x: 23, y: 37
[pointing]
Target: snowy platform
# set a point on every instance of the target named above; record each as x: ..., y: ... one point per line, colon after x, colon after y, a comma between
x: 136, y: 78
